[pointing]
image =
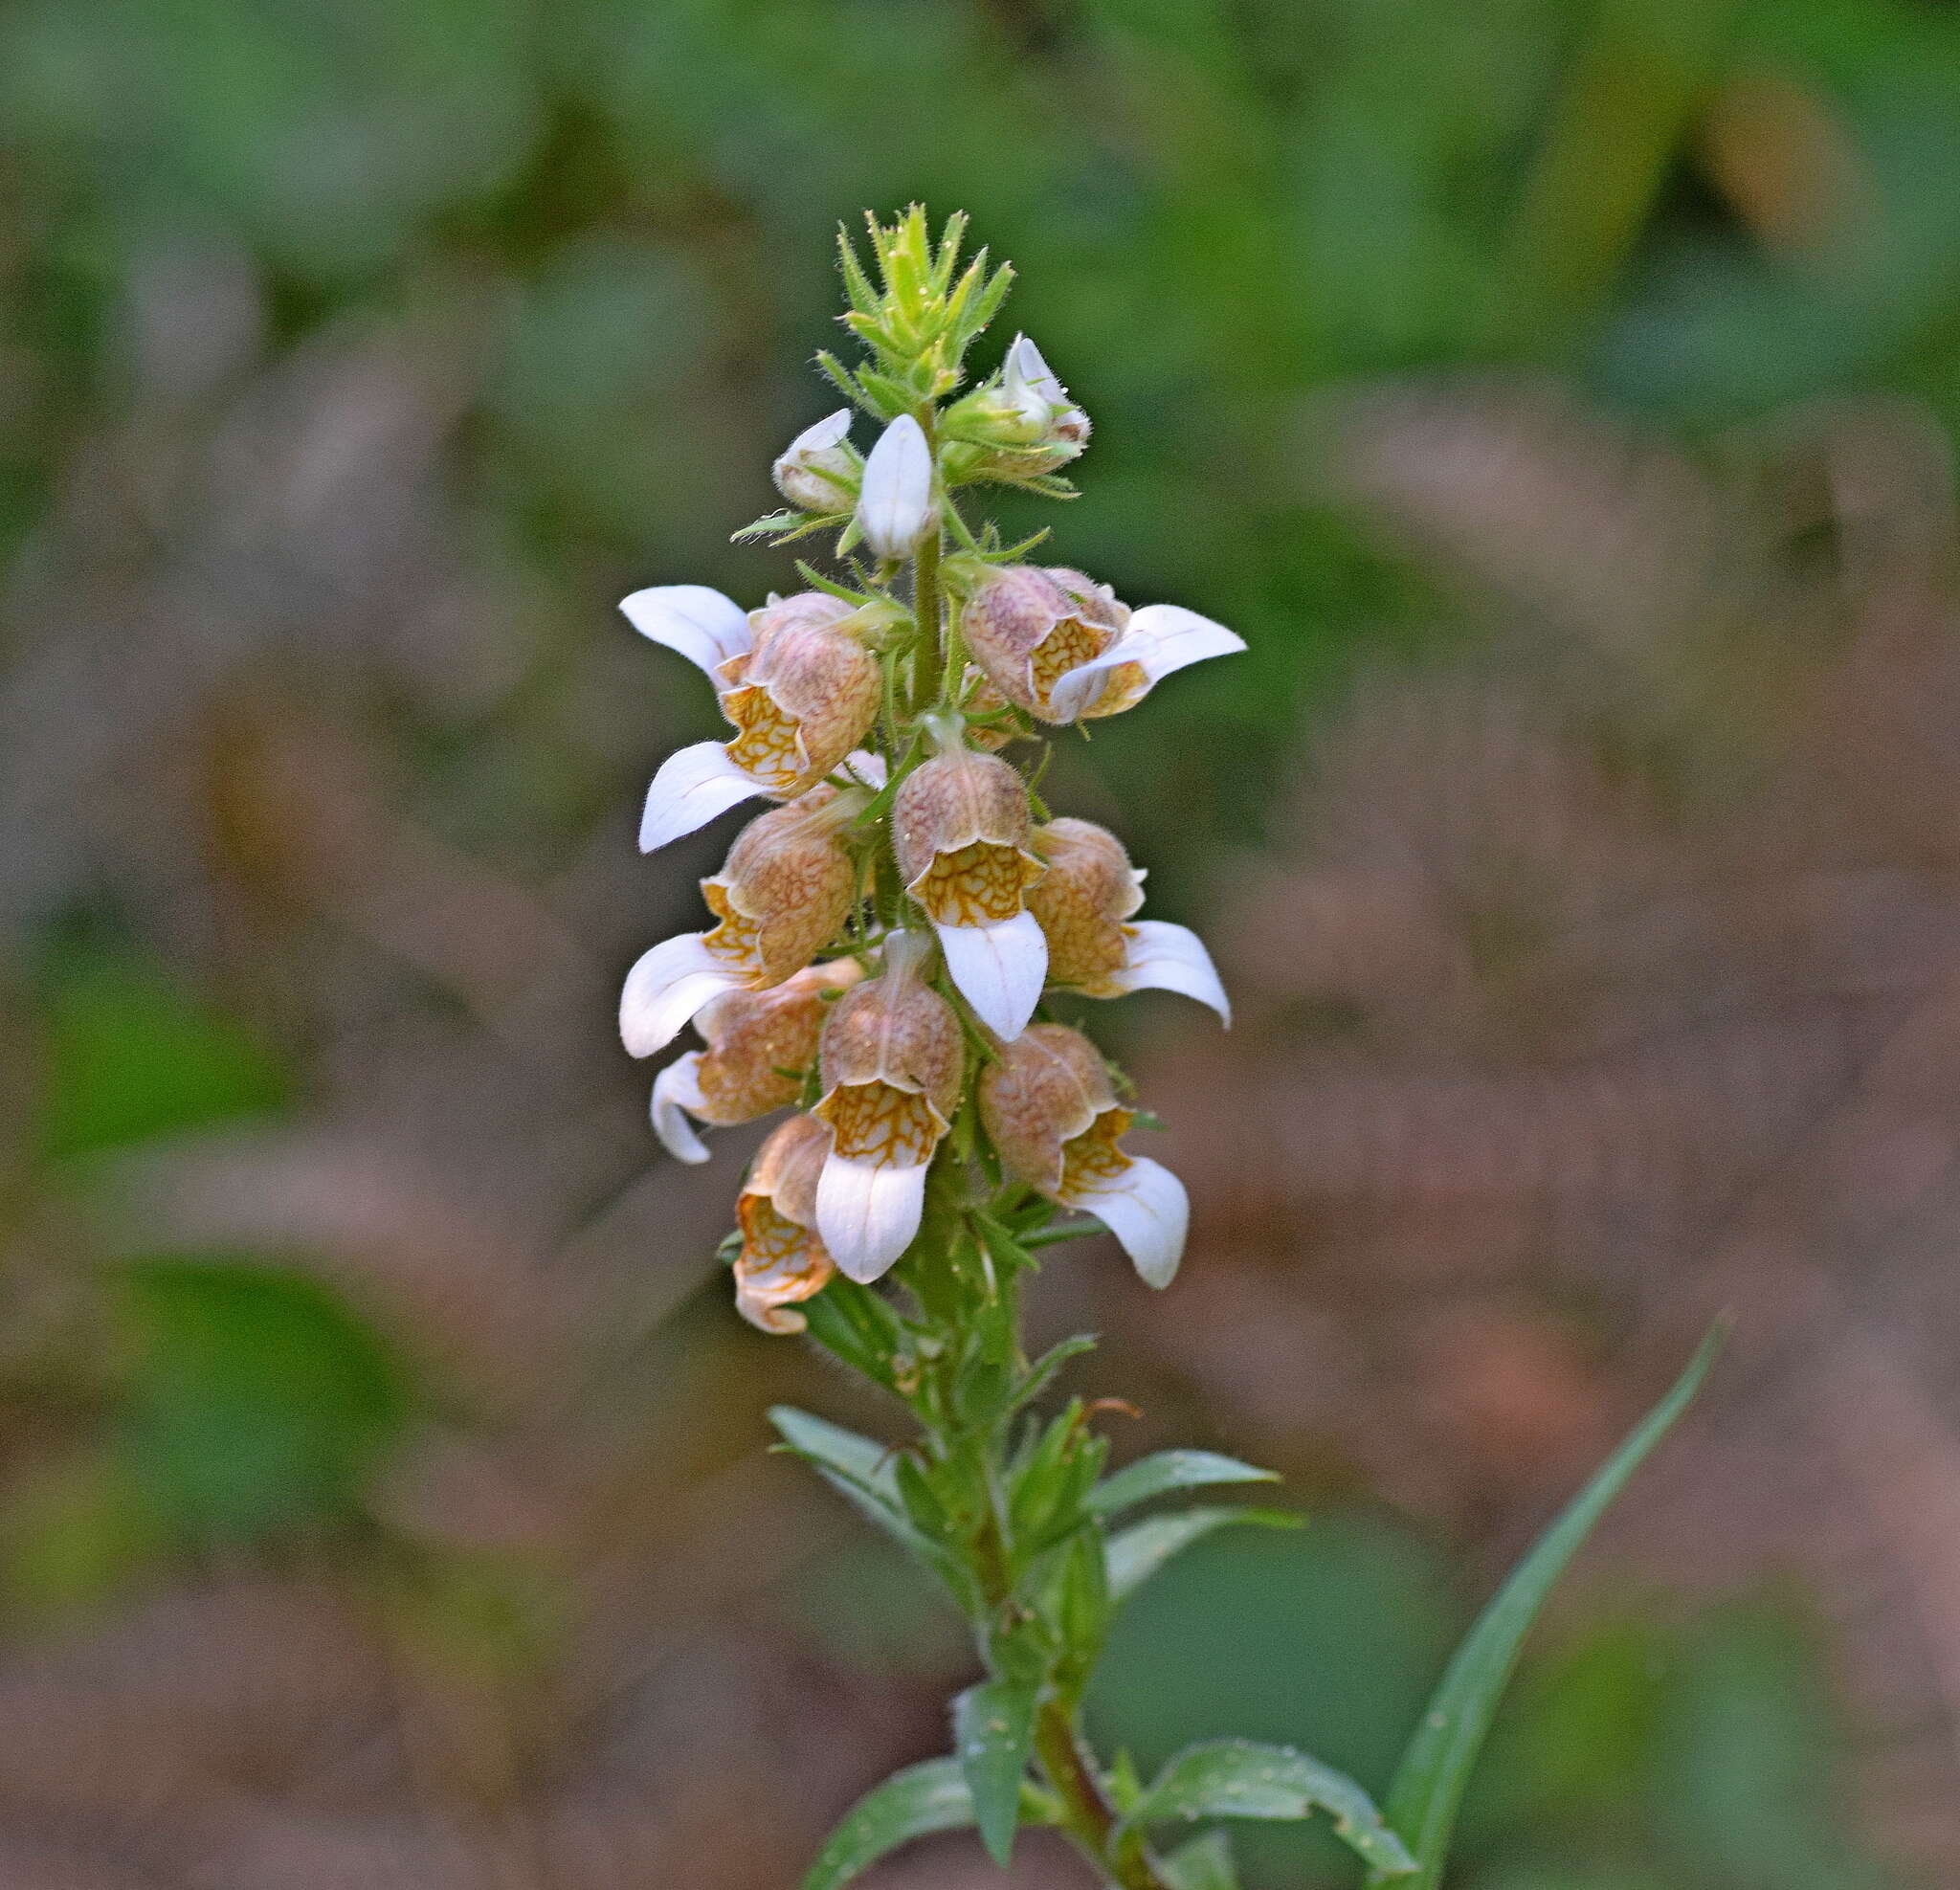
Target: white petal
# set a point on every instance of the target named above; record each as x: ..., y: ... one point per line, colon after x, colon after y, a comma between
x: 1025, y: 365
x: 1159, y: 638
x: 999, y: 970
x: 868, y: 768
x: 701, y: 624
x: 1147, y: 1210
x: 827, y: 433
x: 895, y: 502
x: 693, y: 785
x: 666, y: 987
x: 1172, y: 958
x: 677, y: 1090
x: 866, y: 1217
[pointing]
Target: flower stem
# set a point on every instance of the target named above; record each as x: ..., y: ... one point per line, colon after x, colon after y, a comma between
x: 1085, y: 1814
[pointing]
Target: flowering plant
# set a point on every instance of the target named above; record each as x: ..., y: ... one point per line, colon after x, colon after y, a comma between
x: 884, y: 937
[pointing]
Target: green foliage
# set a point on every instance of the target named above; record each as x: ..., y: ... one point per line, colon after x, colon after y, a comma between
x: 255, y: 1401
x: 128, y: 1056
x: 994, y: 1735
x: 1236, y: 1778
x: 1170, y: 1470
x: 1142, y: 1549
x: 1428, y: 1785
x: 910, y: 1804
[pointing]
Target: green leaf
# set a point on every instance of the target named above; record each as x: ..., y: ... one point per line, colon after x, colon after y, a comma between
x: 994, y: 1732
x: 1204, y: 1863
x: 861, y: 1461
x: 914, y: 1803
x: 910, y: 1804
x: 1142, y: 1549
x: 1428, y: 1788
x: 1236, y: 1778
x: 1170, y: 1470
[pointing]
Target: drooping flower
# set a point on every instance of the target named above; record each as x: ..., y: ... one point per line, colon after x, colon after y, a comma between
x: 891, y: 1059
x: 1084, y: 905
x: 759, y: 1044
x: 1052, y: 1116
x: 960, y: 828
x: 782, y: 1261
x: 1064, y: 648
x: 895, y: 502
x: 782, y: 895
x: 795, y: 679
x: 817, y: 471
x: 1029, y: 385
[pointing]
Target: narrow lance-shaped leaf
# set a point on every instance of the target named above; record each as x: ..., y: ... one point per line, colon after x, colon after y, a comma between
x: 1170, y: 1470
x: 1137, y: 1552
x: 1428, y: 1785
x: 914, y: 1803
x: 1236, y: 1778
x: 994, y: 1731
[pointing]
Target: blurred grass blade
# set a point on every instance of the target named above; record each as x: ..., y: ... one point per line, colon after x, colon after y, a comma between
x: 1238, y: 1778
x: 1429, y: 1786
x: 1170, y: 1470
x: 1137, y: 1552
x: 994, y: 1731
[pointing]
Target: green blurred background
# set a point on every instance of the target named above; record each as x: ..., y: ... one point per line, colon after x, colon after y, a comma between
x: 1554, y: 392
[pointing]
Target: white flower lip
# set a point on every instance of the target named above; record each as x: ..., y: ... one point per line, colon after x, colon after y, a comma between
x: 698, y: 623
x: 1172, y: 958
x: 693, y: 785
x: 895, y: 502
x: 1147, y: 1210
x: 677, y: 1090
x: 867, y: 1216
x: 666, y: 987
x: 1027, y: 370
x: 1160, y: 639
x: 999, y: 970
x: 819, y: 438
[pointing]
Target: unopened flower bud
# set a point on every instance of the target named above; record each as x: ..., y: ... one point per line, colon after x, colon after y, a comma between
x: 1052, y: 1114
x: 1084, y: 905
x: 782, y: 1261
x: 817, y: 469
x: 1029, y: 385
x: 759, y: 1046
x: 891, y: 1059
x: 1065, y: 650
x: 895, y: 502
x: 960, y: 828
x: 784, y: 892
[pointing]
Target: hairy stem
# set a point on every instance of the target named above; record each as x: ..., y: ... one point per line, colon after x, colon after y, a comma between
x: 1085, y: 1814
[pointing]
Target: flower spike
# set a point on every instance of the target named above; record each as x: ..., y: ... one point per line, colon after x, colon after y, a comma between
x: 895, y: 502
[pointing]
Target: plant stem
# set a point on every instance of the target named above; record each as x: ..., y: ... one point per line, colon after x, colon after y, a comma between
x: 1086, y: 1816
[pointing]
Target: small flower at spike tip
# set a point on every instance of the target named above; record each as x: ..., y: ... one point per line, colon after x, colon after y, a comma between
x: 891, y: 1060
x: 817, y: 469
x: 1052, y: 1116
x: 758, y: 1043
x: 795, y: 679
x: 1084, y: 903
x: 960, y: 828
x: 1062, y: 647
x: 780, y: 898
x: 782, y: 1261
x: 895, y: 502
x: 1029, y: 386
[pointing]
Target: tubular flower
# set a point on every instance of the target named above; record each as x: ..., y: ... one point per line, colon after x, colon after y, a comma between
x: 895, y: 500
x: 1052, y: 1114
x: 782, y: 1261
x: 891, y: 1059
x: 960, y: 828
x: 759, y: 1044
x: 1083, y: 905
x: 817, y: 469
x: 782, y: 895
x: 1065, y: 650
x: 798, y: 684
